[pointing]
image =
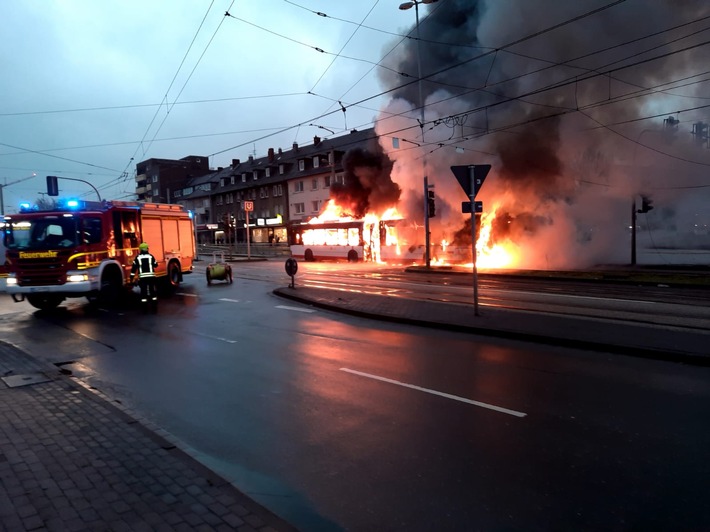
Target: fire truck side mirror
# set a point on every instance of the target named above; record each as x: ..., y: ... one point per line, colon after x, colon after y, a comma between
x: 52, y: 185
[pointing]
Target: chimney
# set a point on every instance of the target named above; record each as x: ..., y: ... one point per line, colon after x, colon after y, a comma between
x: 271, y: 155
x: 281, y: 152
x: 251, y: 158
x: 316, y: 140
x: 295, y: 146
x: 235, y: 162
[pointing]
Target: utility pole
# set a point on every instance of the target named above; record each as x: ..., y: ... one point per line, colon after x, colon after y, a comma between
x: 404, y: 6
x: 427, y: 234
x: 646, y: 205
x: 633, y: 232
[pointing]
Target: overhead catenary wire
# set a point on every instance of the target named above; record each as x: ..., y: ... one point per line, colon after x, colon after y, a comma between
x: 348, y: 104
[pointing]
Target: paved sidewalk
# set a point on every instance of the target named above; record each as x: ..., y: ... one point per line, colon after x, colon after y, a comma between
x: 678, y: 344
x: 70, y: 460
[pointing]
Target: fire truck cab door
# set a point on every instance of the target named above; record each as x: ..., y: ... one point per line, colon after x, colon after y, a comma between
x: 125, y: 230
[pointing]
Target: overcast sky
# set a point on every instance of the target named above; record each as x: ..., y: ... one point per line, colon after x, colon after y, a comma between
x: 89, y: 88
x: 569, y: 101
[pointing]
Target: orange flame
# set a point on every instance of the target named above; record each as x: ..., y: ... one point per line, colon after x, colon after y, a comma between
x: 494, y: 255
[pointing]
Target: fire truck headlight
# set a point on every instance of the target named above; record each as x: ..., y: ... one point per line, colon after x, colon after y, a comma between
x: 11, y: 280
x: 77, y: 277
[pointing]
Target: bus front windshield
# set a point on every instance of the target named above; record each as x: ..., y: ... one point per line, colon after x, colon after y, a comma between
x: 40, y: 233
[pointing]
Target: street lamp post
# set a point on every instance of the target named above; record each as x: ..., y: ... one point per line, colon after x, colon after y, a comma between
x: 404, y: 7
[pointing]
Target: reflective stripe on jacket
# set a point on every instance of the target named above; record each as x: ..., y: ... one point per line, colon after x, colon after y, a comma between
x: 145, y: 264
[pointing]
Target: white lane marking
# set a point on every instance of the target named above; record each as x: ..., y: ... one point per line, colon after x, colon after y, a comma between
x: 297, y: 309
x: 434, y: 392
x: 569, y: 296
x: 229, y: 300
x: 185, y: 294
x: 216, y: 338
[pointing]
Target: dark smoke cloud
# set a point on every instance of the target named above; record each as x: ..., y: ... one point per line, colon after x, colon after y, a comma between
x: 562, y: 178
x: 529, y: 157
x: 368, y: 183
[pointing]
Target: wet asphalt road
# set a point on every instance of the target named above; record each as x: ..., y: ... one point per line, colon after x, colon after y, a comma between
x: 336, y: 422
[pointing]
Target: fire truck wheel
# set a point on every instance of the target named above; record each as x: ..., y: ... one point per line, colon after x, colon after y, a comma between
x: 352, y: 256
x: 44, y: 302
x: 308, y: 256
x: 111, y: 284
x: 173, y: 275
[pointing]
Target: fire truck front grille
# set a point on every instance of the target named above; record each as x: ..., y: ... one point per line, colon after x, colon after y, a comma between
x: 40, y: 272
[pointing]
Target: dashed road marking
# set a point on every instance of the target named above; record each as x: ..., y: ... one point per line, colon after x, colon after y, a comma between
x: 435, y: 392
x: 216, y: 338
x: 229, y: 300
x: 297, y: 309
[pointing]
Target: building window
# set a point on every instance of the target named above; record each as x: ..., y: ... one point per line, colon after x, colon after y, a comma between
x: 314, y: 184
x: 316, y: 205
x: 327, y: 181
x: 339, y: 178
x: 281, y: 169
x: 298, y: 186
x: 300, y: 208
x: 232, y: 180
x: 218, y: 199
x: 244, y: 177
x: 301, y: 164
x: 255, y: 174
x: 267, y: 172
x: 316, y: 161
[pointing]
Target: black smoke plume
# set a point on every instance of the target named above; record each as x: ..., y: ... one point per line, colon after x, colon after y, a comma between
x: 368, y: 183
x: 566, y: 101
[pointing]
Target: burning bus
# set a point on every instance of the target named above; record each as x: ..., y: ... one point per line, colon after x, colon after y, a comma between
x: 336, y: 236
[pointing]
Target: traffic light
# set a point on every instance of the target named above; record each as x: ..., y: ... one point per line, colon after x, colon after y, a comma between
x: 646, y: 204
x: 52, y: 185
x: 431, y: 206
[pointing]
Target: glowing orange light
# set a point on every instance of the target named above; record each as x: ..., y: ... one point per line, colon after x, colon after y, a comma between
x: 499, y: 255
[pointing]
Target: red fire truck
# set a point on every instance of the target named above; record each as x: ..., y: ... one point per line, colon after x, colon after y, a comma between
x: 86, y: 249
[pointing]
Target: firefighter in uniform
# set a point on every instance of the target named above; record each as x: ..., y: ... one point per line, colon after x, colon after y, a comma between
x: 145, y: 265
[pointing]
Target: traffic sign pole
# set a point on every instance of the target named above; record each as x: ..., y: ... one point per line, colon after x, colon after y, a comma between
x: 248, y: 239
x: 427, y: 234
x: 471, y: 178
x: 248, y: 207
x: 474, y: 232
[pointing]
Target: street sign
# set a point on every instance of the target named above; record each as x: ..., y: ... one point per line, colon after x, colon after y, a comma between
x: 249, y: 206
x: 291, y: 269
x: 463, y: 176
x: 471, y: 178
x: 466, y: 207
x: 291, y: 266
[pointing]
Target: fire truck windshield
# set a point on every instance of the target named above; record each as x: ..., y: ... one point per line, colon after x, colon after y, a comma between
x: 41, y: 233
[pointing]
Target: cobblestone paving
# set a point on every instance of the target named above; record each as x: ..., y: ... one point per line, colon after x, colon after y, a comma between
x: 69, y: 460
